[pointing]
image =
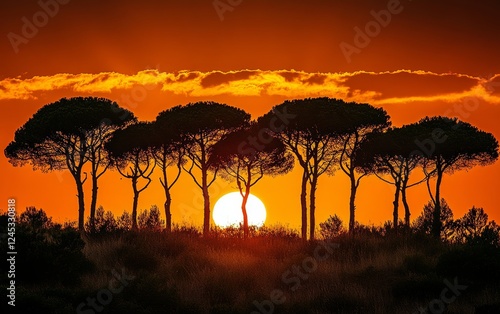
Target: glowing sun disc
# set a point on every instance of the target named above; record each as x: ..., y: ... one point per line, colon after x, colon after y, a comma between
x: 227, y: 211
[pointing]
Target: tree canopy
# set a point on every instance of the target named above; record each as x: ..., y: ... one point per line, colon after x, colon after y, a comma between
x: 131, y: 155
x: 61, y: 135
x: 320, y: 132
x: 247, y: 165
x: 447, y: 145
x: 200, y: 125
x: 391, y: 153
x: 168, y: 151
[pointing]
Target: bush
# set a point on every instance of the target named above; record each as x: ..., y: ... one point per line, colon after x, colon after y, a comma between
x: 105, y: 222
x: 151, y: 220
x: 124, y: 222
x: 332, y: 227
x: 490, y: 236
x: 35, y: 219
x: 474, y: 228
x: 423, y: 223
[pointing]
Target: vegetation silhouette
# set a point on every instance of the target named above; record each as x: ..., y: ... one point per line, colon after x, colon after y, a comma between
x: 372, y: 271
x: 168, y: 151
x: 68, y: 134
x: 201, y: 125
x: 207, y: 138
x: 239, y: 161
x: 452, y: 145
x: 391, y: 153
x: 323, y: 134
x: 131, y: 155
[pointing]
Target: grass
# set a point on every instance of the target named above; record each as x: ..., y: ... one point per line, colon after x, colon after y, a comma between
x: 182, y: 272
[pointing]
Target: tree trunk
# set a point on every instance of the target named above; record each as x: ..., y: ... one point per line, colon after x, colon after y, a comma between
x: 134, y: 204
x: 206, y: 203
x: 93, y: 203
x: 395, y: 213
x: 352, y: 205
x: 407, y: 207
x: 206, y: 217
x: 81, y: 205
x: 436, y: 221
x: 168, y: 214
x: 303, y: 204
x: 312, y: 207
x: 245, y: 214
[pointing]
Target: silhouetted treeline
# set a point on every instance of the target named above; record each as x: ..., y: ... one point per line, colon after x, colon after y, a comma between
x: 207, y: 139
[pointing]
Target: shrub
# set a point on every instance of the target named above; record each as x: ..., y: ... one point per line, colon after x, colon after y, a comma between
x: 124, y: 222
x: 104, y: 221
x: 35, y: 219
x: 490, y: 236
x: 474, y: 228
x: 151, y: 220
x: 332, y: 227
x: 423, y: 223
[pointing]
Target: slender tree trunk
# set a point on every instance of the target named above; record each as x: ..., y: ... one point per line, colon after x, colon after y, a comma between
x: 168, y: 214
x: 312, y: 207
x: 93, y: 203
x: 206, y: 217
x: 395, y: 213
x: 245, y: 214
x: 436, y: 222
x: 352, y: 204
x: 167, y: 205
x: 206, y: 203
x: 406, y: 206
x: 134, y: 204
x: 303, y: 204
x: 81, y: 205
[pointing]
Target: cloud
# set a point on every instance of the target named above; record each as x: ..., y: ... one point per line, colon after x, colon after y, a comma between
x: 406, y: 84
x: 220, y: 78
x: 378, y: 88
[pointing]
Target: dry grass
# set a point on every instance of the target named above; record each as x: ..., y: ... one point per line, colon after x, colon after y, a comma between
x: 185, y: 273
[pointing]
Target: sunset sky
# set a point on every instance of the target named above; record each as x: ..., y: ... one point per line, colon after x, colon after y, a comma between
x: 428, y: 58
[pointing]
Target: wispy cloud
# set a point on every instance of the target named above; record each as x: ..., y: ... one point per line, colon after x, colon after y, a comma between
x: 361, y: 86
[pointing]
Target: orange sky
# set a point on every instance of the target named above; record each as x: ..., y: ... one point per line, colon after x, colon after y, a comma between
x: 430, y: 59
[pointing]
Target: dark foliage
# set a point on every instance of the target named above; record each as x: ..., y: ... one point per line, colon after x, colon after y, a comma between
x: 48, y: 252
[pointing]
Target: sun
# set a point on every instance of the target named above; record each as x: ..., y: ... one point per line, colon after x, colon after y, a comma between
x: 227, y: 211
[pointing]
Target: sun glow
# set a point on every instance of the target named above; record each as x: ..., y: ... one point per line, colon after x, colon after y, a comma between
x: 227, y: 211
